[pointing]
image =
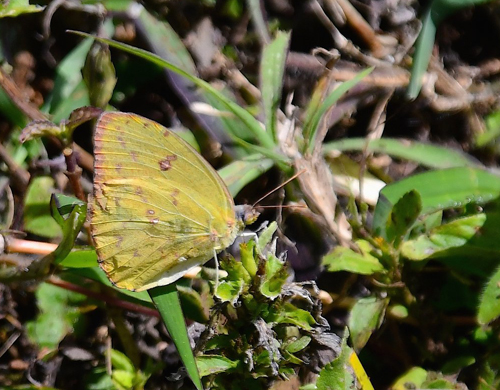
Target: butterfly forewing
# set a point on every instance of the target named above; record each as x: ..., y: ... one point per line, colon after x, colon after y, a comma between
x: 159, y: 208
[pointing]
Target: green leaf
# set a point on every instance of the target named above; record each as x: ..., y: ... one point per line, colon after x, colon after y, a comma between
x: 451, y: 235
x: 346, y: 259
x: 69, y: 90
x: 402, y: 217
x: 99, y: 75
x: 413, y: 378
x: 193, y: 305
x: 37, y: 217
x: 439, y: 190
x: 38, y: 129
x: 366, y: 316
x: 249, y: 259
x: 266, y: 236
x: 166, y: 299
x: 489, y: 303
x: 427, y: 155
x: 247, y: 119
x: 86, y: 258
x: 274, y: 277
x: 272, y: 67
x: 435, y: 14
x: 291, y: 314
x: 337, y: 375
x: 240, y: 173
x: 492, y: 131
x: 13, y: 8
x: 299, y: 344
x: 58, y: 315
x: 213, y: 364
x: 120, y: 361
x: 229, y: 290
x: 71, y: 225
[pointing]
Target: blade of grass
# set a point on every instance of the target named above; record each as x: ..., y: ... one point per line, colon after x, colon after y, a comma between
x: 272, y: 68
x: 258, y: 20
x: 242, y: 172
x: 435, y: 14
x: 166, y: 300
x: 253, y: 125
x: 164, y: 41
x: 431, y: 156
x: 311, y: 124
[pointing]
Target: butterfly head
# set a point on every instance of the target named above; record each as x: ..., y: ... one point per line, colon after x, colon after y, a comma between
x: 246, y: 214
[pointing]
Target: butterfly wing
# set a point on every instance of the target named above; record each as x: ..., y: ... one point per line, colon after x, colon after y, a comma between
x: 159, y: 208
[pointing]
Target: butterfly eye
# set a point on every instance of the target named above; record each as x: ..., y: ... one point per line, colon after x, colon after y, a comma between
x: 246, y: 213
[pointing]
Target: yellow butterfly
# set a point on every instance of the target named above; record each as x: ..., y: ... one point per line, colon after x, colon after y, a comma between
x: 159, y: 208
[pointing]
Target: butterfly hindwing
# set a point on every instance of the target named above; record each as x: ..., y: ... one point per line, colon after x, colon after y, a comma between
x: 159, y: 208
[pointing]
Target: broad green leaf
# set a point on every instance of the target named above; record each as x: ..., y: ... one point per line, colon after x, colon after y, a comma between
x: 451, y: 235
x: 213, y: 364
x: 37, y: 217
x: 366, y: 316
x: 166, y: 299
x: 439, y: 190
x: 427, y: 155
x: 489, y: 303
x: 59, y: 314
x: 272, y: 67
x: 86, y: 258
x: 346, y: 259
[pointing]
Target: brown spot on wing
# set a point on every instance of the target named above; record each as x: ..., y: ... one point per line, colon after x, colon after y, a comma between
x: 166, y: 164
x: 121, y: 141
x: 174, y: 194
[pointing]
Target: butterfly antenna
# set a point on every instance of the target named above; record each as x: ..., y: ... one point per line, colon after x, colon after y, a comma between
x: 280, y: 186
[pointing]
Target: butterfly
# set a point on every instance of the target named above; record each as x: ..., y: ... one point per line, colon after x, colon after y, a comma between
x: 158, y: 208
